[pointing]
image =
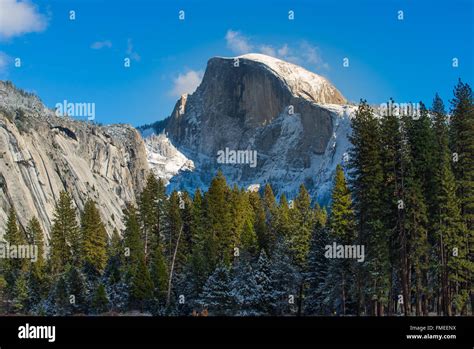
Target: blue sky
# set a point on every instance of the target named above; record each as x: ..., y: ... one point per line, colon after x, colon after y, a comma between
x: 83, y: 60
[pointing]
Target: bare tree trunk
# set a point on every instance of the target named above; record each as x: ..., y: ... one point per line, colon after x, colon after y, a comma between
x: 168, y: 296
x: 146, y: 246
x: 418, y: 310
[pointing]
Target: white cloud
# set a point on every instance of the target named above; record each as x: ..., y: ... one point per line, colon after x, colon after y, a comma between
x: 19, y: 17
x: 312, y: 55
x: 267, y: 50
x: 131, y: 52
x: 101, y: 44
x: 301, y: 52
x: 237, y: 43
x: 283, y: 51
x: 186, y: 83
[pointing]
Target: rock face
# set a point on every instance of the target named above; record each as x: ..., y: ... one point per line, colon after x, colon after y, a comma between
x: 42, y: 154
x: 295, y: 120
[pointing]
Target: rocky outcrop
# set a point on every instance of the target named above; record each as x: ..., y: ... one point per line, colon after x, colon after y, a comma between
x: 42, y: 154
x: 295, y: 120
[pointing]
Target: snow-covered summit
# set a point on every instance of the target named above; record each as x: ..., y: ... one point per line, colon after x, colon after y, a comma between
x: 301, y: 82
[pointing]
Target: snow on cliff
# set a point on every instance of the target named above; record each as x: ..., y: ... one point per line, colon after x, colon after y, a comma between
x: 164, y: 159
x: 301, y: 82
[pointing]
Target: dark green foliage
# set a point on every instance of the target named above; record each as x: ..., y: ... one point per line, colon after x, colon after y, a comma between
x: 367, y: 182
x: 94, y: 238
x: 100, y: 301
x: 76, y: 290
x: 216, y: 294
x: 65, y: 238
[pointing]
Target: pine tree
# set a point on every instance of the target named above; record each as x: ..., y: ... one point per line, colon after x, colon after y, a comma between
x: 341, y: 221
x: 141, y: 286
x: 462, y: 146
x: 260, y: 221
x: 94, y: 238
x: 286, y: 278
x: 186, y: 209
x: 65, y: 243
x: 238, y: 214
x: 153, y: 207
x: 138, y: 277
x: 420, y: 203
x: 175, y: 239
x: 271, y: 207
x: 392, y: 194
x: 248, y: 237
x: 115, y: 275
x: 76, y: 290
x: 422, y: 145
x: 100, y: 301
x: 317, y: 299
x: 447, y: 225
x: 133, y: 246
x: 243, y: 222
x: 216, y: 294
x: 176, y: 246
x: 37, y: 278
x: 367, y: 178
x: 219, y: 220
x: 148, y: 214
x: 20, y: 299
x: 282, y: 221
x: 12, y: 233
x: 341, y: 231
x: 197, y: 227
x: 268, y: 297
x: 59, y: 298
x: 244, y: 289
x: 302, y: 218
x: 13, y: 267
x: 114, y: 245
x: 37, y: 237
x: 450, y: 235
x: 418, y: 246
x: 203, y: 247
x: 159, y: 275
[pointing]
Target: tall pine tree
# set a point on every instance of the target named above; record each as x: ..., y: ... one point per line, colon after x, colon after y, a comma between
x: 65, y: 238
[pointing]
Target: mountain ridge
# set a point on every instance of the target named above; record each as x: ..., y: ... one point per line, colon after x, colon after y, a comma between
x: 42, y: 154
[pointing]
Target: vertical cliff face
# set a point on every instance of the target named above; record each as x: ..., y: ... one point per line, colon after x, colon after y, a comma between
x: 233, y: 102
x: 42, y: 154
x: 295, y: 120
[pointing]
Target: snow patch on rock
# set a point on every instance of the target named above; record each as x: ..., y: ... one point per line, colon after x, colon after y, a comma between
x: 164, y: 159
x: 301, y: 82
